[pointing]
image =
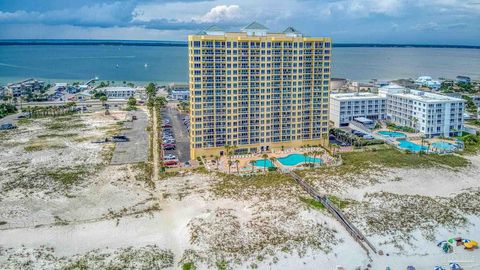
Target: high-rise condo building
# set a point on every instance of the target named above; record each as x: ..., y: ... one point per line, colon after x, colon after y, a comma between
x: 257, y: 90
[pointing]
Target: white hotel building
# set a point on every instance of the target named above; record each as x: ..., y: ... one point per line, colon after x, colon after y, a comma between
x: 345, y: 107
x: 429, y: 113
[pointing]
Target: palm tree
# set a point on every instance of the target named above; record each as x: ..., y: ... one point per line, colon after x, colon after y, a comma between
x: 265, y: 157
x: 103, y: 99
x: 229, y: 165
x: 217, y: 159
x: 272, y: 159
x: 236, y: 163
x: 305, y: 155
x: 252, y: 162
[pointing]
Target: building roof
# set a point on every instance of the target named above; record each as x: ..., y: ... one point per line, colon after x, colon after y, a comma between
x: 355, y: 96
x: 291, y: 30
x: 427, y: 97
x: 214, y: 28
x: 255, y: 26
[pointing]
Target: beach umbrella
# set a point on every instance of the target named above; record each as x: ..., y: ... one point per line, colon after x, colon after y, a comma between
x: 470, y: 244
x: 438, y: 268
x: 455, y: 266
x: 452, y: 240
x: 410, y: 267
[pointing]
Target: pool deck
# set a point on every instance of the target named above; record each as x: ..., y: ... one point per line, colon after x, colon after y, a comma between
x: 245, y: 166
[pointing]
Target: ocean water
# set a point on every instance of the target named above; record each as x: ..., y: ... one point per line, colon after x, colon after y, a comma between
x: 169, y: 63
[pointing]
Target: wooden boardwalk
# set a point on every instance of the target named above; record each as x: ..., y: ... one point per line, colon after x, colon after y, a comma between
x: 351, y: 229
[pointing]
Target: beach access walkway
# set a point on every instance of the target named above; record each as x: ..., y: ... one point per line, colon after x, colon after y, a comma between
x: 323, y: 199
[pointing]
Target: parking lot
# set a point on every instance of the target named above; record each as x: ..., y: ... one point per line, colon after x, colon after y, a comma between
x: 136, y: 149
x: 178, y: 132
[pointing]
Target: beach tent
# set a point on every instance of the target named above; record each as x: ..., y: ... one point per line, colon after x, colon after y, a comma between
x: 455, y: 266
x: 438, y: 268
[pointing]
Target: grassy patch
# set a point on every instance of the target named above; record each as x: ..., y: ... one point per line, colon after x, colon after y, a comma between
x: 339, y: 202
x: 234, y: 185
x: 188, y: 266
x: 24, y: 121
x: 57, y: 135
x: 64, y: 125
x: 67, y: 176
x: 42, y: 145
x: 396, y: 159
x: 3, y: 223
x: 312, y: 203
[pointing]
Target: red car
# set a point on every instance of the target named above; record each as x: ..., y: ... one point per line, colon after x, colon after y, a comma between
x: 166, y: 126
x: 170, y: 162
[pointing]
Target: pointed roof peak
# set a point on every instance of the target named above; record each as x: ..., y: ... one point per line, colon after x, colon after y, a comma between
x: 290, y: 29
x: 255, y: 26
x: 214, y: 28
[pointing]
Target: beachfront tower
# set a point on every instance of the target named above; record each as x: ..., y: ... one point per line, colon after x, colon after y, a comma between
x: 257, y: 90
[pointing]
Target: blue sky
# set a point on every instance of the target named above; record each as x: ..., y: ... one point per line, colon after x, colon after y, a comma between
x: 455, y: 22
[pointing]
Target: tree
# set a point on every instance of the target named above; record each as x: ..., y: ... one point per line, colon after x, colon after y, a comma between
x: 252, y: 162
x: 132, y: 102
x: 305, y: 155
x: 273, y: 159
x: 151, y: 90
x: 217, y: 159
x: 229, y: 165
x: 265, y: 157
x: 237, y: 162
x: 160, y: 101
x: 103, y: 99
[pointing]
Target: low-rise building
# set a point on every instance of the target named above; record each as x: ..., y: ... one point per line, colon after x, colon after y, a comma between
x: 180, y: 95
x: 345, y: 107
x: 463, y: 79
x: 427, y: 81
x: 118, y: 92
x: 429, y: 113
x: 24, y: 87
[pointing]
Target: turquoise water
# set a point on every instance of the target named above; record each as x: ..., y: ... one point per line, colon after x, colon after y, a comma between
x: 408, y: 145
x: 264, y: 163
x: 445, y: 146
x: 170, y: 64
x: 295, y: 159
x: 392, y: 134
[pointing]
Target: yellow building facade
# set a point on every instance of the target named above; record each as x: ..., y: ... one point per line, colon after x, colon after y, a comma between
x: 257, y: 90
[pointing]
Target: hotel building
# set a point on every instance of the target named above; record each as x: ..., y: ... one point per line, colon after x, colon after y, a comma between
x: 257, y: 90
x: 429, y: 113
x: 345, y: 107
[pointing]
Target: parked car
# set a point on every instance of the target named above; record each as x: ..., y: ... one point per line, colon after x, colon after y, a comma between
x: 169, y: 157
x: 168, y: 146
x: 170, y: 162
x: 120, y: 138
x: 7, y: 126
x: 166, y: 126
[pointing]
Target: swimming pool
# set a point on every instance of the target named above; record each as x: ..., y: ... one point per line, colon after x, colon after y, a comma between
x: 443, y: 146
x: 392, y: 134
x: 408, y: 145
x: 295, y: 159
x: 264, y: 163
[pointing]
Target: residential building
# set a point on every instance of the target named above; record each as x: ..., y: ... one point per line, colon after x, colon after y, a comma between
x: 463, y: 79
x: 429, y: 113
x: 427, y: 81
x: 346, y: 107
x: 178, y: 87
x: 180, y: 95
x: 257, y: 90
x: 118, y: 92
x: 391, y: 88
x: 337, y: 83
x: 24, y: 87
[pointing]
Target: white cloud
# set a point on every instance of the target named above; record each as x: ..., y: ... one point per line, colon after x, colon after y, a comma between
x: 221, y: 13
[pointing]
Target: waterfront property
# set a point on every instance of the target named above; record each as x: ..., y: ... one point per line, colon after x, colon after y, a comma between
x: 24, y: 87
x: 257, y: 90
x: 428, y: 113
x: 118, y: 92
x: 346, y: 107
x: 427, y: 81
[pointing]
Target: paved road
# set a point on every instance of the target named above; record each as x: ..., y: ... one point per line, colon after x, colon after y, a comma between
x: 136, y: 149
x: 182, y: 150
x: 12, y: 118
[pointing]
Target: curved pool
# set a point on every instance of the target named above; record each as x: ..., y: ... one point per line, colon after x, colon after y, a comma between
x: 392, y: 134
x: 264, y: 163
x: 443, y: 146
x: 408, y: 145
x: 295, y: 159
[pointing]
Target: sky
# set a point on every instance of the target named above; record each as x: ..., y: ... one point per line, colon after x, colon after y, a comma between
x: 440, y: 22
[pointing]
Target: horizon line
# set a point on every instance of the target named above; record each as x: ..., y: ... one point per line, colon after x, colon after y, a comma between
x: 133, y: 42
